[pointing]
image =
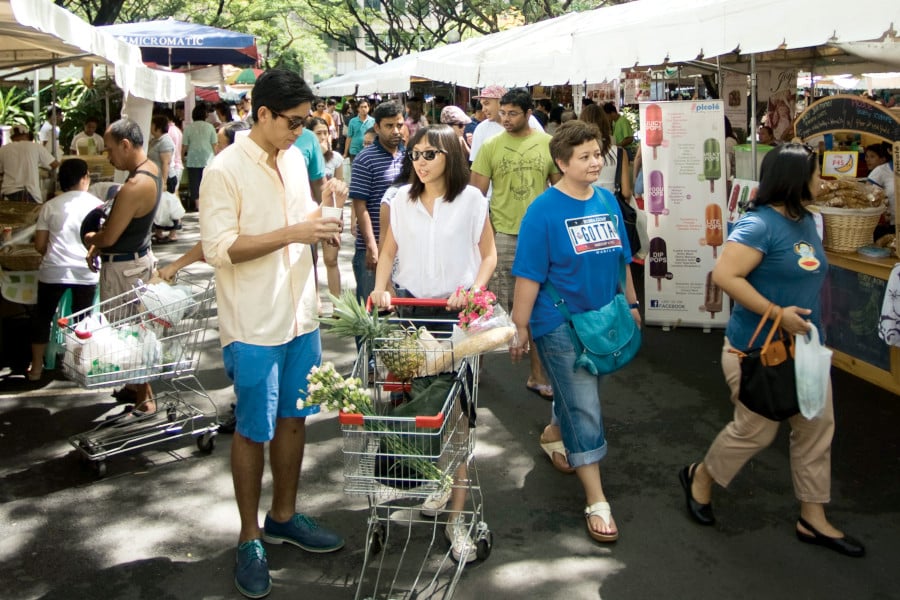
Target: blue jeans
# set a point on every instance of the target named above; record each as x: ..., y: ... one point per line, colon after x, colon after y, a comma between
x: 365, y: 279
x: 576, y: 398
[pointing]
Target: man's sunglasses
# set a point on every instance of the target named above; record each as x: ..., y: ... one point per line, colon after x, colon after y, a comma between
x: 426, y: 154
x: 292, y: 122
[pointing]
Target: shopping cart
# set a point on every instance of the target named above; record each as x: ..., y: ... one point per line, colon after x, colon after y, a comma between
x: 397, y: 462
x: 144, y: 335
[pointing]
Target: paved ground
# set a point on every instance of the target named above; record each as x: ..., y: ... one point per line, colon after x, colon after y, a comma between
x: 162, y: 524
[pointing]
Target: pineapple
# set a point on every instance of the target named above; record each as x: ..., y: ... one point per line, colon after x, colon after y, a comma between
x: 351, y: 319
x: 396, y: 347
x: 401, y: 353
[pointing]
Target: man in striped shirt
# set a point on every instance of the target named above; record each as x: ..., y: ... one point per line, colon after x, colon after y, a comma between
x: 374, y: 170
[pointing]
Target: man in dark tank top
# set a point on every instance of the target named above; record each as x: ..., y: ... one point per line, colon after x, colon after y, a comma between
x: 122, y: 244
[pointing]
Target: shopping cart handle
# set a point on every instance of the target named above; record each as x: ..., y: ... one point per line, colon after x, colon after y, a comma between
x: 435, y: 302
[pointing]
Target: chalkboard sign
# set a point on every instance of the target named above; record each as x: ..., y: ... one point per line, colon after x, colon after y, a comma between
x: 851, y: 308
x: 847, y: 113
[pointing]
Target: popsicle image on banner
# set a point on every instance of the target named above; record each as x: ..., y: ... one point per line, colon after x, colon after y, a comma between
x: 654, y: 126
x: 714, y: 227
x: 659, y: 261
x: 657, y: 196
x: 712, y: 297
x: 712, y: 162
x: 733, y: 201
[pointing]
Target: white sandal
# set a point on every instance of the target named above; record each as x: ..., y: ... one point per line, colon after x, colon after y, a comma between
x: 603, y: 511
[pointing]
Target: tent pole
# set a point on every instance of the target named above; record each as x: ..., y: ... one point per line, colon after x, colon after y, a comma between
x: 753, y: 112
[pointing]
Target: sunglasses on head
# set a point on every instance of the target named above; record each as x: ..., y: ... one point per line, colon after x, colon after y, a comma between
x: 426, y: 154
x: 292, y: 122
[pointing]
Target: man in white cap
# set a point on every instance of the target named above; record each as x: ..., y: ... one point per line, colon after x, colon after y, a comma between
x: 20, y: 162
x: 490, y: 105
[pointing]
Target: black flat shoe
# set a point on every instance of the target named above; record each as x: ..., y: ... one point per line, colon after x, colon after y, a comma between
x: 701, y: 513
x: 843, y: 545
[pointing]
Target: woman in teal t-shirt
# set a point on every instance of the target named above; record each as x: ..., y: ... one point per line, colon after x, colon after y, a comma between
x: 199, y: 146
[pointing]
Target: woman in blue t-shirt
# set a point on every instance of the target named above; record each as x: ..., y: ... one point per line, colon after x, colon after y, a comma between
x: 774, y: 256
x: 575, y: 240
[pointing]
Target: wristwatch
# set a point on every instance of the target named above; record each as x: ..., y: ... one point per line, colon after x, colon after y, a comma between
x: 634, y: 304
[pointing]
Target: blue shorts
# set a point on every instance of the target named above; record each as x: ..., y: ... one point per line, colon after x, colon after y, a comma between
x: 268, y: 381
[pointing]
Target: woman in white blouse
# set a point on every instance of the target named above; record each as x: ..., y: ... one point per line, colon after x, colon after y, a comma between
x: 441, y: 235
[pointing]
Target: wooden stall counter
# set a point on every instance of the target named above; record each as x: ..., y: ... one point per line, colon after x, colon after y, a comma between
x: 851, y: 307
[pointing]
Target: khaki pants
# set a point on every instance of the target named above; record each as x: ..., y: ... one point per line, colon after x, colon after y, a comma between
x: 748, y: 433
x: 502, y: 282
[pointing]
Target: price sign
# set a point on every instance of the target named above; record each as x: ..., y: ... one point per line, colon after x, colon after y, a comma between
x: 840, y: 164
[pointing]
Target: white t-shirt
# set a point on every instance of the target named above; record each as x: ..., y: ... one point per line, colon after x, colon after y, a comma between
x: 488, y: 129
x: 607, y: 179
x: 437, y: 253
x: 44, y: 137
x: 337, y: 159
x: 19, y: 163
x: 883, y: 177
x: 98, y: 142
x: 61, y: 217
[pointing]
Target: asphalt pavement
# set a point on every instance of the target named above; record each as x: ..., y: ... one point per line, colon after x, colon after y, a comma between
x: 162, y: 523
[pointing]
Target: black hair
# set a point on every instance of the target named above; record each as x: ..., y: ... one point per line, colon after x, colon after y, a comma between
x: 386, y: 110
x: 126, y: 129
x: 784, y: 178
x: 518, y: 97
x: 571, y: 134
x: 231, y: 128
x: 556, y: 114
x: 71, y: 172
x: 476, y: 104
x: 161, y: 122
x: 280, y: 90
x: 198, y: 113
x: 881, y: 150
x: 610, y: 108
x: 729, y: 130
x: 456, y: 171
x: 546, y: 104
x: 92, y: 119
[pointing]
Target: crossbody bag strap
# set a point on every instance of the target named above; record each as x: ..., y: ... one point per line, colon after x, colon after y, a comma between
x: 558, y: 302
x: 622, y: 265
x: 618, y: 182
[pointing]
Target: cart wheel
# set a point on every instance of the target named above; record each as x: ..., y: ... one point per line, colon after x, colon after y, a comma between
x: 483, y: 545
x: 376, y: 539
x: 206, y: 443
x: 171, y: 414
x: 99, y: 468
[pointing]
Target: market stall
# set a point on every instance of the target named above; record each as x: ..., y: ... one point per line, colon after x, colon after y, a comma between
x: 854, y: 293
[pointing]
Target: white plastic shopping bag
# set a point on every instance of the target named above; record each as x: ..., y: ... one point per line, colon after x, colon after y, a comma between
x: 812, y: 367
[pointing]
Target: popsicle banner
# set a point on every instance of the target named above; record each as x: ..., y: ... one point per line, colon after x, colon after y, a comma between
x: 685, y: 192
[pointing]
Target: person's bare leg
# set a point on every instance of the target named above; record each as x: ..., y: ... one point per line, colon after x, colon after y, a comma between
x: 537, y: 376
x: 814, y: 514
x: 285, y: 458
x: 37, y: 361
x: 247, y: 459
x: 330, y: 254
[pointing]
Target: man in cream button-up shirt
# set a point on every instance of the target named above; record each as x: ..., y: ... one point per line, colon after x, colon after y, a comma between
x: 257, y: 221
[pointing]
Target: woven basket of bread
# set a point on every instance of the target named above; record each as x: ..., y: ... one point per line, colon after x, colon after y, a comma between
x: 847, y: 229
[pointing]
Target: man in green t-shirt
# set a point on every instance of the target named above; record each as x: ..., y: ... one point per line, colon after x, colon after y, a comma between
x: 622, y: 130
x: 517, y: 163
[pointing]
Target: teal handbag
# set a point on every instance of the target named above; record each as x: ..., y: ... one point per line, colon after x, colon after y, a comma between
x: 607, y: 339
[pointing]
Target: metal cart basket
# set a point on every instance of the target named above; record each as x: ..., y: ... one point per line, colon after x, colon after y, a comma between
x: 398, y: 462
x: 147, y: 334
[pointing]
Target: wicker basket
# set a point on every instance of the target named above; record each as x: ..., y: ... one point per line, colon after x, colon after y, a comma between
x: 20, y: 257
x: 847, y: 229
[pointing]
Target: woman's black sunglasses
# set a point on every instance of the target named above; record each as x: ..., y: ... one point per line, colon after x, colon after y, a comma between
x: 426, y: 154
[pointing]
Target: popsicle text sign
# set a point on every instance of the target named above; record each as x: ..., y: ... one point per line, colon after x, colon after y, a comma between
x: 847, y: 113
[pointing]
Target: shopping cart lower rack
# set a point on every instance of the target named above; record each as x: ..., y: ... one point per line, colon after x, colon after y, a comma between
x: 151, y: 333
x: 403, y: 463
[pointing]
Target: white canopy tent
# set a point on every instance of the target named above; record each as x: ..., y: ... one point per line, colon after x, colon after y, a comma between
x: 596, y: 45
x: 37, y: 33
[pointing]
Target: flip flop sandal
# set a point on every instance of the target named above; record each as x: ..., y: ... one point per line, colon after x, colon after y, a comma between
x: 544, y: 390
x: 603, y: 511
x: 557, y: 448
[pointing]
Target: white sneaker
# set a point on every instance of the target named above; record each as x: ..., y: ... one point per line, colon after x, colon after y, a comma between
x: 461, y: 545
x: 436, y: 501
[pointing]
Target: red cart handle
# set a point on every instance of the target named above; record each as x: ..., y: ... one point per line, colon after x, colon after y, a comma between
x: 433, y: 302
